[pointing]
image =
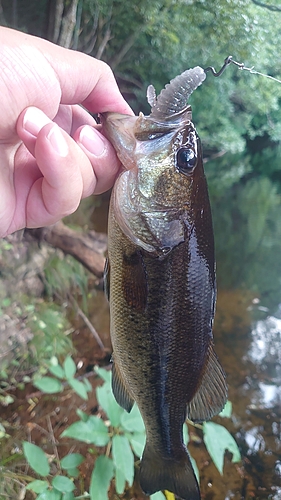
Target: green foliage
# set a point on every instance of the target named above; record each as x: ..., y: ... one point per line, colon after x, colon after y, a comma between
x: 65, y: 277
x: 51, y: 329
x: 123, y: 435
x: 217, y: 440
x: 52, y: 385
x: 36, y: 459
x: 101, y: 477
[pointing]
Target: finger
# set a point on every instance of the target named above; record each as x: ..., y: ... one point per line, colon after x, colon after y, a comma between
x: 97, y: 148
x: 67, y: 175
x: 101, y: 155
x: 32, y: 120
x: 70, y: 118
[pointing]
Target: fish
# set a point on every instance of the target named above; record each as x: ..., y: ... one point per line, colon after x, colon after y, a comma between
x: 161, y: 284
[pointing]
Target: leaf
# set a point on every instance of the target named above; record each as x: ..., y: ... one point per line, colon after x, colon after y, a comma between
x: 101, y: 477
x: 83, y: 416
x: 132, y: 421
x: 120, y: 481
x: 36, y: 458
x: 92, y: 431
x: 87, y: 384
x: 137, y: 440
x: 38, y: 486
x: 68, y: 496
x: 49, y: 385
x: 123, y: 459
x: 217, y: 439
x: 69, y: 367
x: 185, y: 434
x: 72, y: 460
x: 227, y: 410
x: 157, y: 496
x: 107, y: 401
x: 73, y: 472
x: 79, y: 388
x: 195, y: 468
x: 57, y: 370
x: 50, y: 495
x: 63, y: 484
x: 104, y: 374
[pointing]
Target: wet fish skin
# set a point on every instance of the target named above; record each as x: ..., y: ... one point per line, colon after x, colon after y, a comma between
x: 161, y: 282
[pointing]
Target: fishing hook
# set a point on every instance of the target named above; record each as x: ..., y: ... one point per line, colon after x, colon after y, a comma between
x: 228, y: 60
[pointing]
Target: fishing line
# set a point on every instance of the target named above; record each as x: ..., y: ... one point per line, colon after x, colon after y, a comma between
x: 229, y: 60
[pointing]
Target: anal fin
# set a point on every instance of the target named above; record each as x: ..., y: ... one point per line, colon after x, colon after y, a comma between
x: 211, y: 395
x: 120, y: 390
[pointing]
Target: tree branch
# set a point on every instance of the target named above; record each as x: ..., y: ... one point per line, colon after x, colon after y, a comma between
x: 87, y: 248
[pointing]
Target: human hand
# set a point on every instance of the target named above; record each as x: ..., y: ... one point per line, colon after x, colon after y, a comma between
x: 51, y: 151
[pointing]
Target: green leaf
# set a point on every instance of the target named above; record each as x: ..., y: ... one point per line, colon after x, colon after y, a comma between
x: 92, y: 431
x: 87, y: 384
x: 38, y: 486
x: 69, y: 367
x: 36, y: 458
x: 108, y: 403
x: 63, y: 484
x: 158, y: 496
x: 57, y: 370
x: 72, y: 460
x: 123, y: 459
x: 217, y: 439
x: 227, y: 410
x: 73, y: 472
x: 132, y: 421
x: 49, y: 385
x: 185, y: 434
x: 83, y: 416
x: 79, y: 387
x: 68, y: 496
x: 137, y: 440
x: 104, y: 374
x: 101, y: 477
x: 50, y: 495
x: 195, y: 468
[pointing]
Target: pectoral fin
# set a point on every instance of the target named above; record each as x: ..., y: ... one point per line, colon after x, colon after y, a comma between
x: 211, y: 395
x: 120, y: 390
x: 134, y: 281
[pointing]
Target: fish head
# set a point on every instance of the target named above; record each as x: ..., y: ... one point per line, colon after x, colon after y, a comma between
x: 161, y: 155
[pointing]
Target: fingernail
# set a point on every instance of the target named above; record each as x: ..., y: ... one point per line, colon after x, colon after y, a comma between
x: 92, y: 140
x: 34, y: 119
x: 57, y: 141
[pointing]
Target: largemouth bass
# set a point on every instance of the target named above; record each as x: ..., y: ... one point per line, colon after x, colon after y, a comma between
x: 160, y: 280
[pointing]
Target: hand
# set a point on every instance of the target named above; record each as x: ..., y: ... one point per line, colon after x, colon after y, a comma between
x: 52, y: 153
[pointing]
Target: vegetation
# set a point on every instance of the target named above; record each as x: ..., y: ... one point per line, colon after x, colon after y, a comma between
x: 120, y: 434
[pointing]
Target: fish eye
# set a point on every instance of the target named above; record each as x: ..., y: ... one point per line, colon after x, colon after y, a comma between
x: 186, y: 160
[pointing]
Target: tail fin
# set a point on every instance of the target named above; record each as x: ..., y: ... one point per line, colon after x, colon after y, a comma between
x: 159, y: 473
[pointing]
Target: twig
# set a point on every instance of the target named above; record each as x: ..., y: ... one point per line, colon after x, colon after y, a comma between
x: 53, y: 439
x: 89, y: 325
